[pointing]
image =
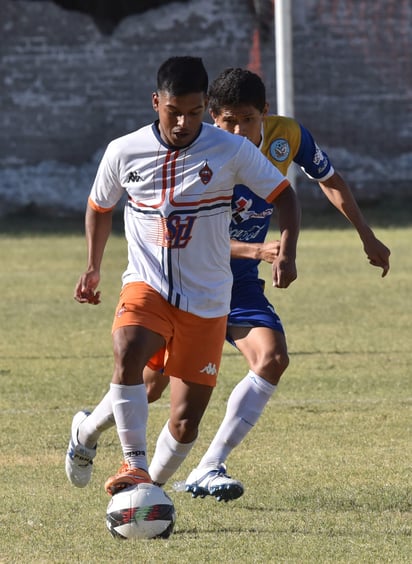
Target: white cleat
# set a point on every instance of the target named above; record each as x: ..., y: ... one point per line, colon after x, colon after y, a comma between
x: 79, y: 459
x: 214, y: 482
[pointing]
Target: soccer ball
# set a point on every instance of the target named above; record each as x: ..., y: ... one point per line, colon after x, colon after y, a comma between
x: 144, y: 511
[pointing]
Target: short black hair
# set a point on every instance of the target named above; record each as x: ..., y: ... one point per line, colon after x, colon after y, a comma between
x: 235, y: 87
x: 182, y: 75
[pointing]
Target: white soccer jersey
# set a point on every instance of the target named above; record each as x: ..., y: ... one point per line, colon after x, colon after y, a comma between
x: 178, y: 210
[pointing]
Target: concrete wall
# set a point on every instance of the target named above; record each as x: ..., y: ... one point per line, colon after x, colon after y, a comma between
x: 67, y: 88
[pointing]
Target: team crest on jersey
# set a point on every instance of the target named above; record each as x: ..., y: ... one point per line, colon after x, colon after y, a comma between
x: 279, y: 150
x: 206, y: 174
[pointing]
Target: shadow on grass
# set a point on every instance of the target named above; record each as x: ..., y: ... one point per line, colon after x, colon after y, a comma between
x: 392, y: 212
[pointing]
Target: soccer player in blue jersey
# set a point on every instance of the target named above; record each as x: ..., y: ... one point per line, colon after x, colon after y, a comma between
x: 237, y: 103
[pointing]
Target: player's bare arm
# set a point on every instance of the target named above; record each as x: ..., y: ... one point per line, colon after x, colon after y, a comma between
x: 98, y: 227
x: 340, y: 196
x: 267, y: 251
x: 284, y: 270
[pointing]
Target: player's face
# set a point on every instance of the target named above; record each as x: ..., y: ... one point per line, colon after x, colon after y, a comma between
x: 180, y: 117
x: 245, y: 120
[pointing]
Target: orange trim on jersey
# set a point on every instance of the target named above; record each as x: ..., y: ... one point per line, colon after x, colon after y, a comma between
x: 205, y: 201
x: 278, y: 190
x: 173, y: 186
x: 173, y: 173
x: 164, y: 185
x: 98, y: 208
x: 151, y: 206
x: 171, y: 160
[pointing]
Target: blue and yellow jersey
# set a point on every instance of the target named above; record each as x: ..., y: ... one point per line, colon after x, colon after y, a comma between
x: 283, y: 140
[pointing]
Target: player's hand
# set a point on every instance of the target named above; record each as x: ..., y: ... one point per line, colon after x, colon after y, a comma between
x: 85, y: 291
x: 284, y: 272
x: 378, y: 255
x: 270, y: 251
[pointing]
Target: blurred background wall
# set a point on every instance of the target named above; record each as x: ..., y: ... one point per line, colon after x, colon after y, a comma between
x: 76, y: 74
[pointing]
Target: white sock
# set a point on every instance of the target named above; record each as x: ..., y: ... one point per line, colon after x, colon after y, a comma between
x: 98, y: 421
x: 130, y: 409
x: 168, y: 456
x: 244, y: 407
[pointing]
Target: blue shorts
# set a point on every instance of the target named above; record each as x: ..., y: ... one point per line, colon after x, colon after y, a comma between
x: 249, y: 307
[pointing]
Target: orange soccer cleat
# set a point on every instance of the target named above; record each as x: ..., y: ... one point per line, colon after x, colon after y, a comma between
x: 125, y: 478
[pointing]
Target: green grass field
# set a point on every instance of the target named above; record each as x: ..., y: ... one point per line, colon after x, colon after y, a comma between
x: 327, y: 469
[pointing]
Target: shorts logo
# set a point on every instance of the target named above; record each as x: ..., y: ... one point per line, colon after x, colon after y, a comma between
x: 121, y: 311
x: 206, y: 174
x: 209, y: 369
x: 279, y: 150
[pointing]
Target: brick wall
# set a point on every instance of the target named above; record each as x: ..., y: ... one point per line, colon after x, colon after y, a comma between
x: 67, y: 88
x: 353, y: 89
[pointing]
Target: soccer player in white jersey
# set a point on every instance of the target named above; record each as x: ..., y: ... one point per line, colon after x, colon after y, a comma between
x: 178, y: 174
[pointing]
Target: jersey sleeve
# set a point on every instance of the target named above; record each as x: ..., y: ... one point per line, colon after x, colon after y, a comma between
x: 260, y: 175
x: 107, y: 189
x: 312, y: 159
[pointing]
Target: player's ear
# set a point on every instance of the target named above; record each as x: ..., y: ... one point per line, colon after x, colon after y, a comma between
x: 155, y: 101
x: 213, y: 115
x: 266, y: 109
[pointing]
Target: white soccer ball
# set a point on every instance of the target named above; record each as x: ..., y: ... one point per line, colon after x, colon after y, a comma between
x: 144, y: 511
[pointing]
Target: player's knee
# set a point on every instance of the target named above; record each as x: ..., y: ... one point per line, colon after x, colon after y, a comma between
x: 153, y: 392
x: 281, y: 361
x: 183, y: 430
x: 125, y: 364
x: 155, y: 383
x: 271, y: 366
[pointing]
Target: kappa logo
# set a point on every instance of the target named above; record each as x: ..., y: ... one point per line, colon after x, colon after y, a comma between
x: 134, y: 176
x: 209, y: 369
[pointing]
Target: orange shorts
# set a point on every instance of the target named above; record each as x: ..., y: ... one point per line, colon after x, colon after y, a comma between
x: 193, y: 344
